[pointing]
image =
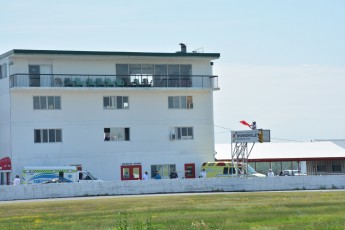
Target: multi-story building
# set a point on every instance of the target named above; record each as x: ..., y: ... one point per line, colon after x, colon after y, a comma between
x: 115, y: 114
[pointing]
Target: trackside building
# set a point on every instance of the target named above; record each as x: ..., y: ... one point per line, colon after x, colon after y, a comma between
x: 115, y: 114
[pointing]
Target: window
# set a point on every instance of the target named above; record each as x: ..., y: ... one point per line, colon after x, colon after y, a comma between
x: 47, y: 135
x: 336, y: 166
x: 3, y: 72
x: 116, y: 134
x: 161, y: 70
x: 164, y: 170
x: 147, y: 69
x: 173, y: 70
x: 186, y: 70
x: 321, y: 166
x: 121, y: 69
x: 180, y: 102
x: 134, y: 69
x: 115, y: 102
x: 150, y: 69
x: 47, y: 102
x: 181, y: 133
x: 230, y: 170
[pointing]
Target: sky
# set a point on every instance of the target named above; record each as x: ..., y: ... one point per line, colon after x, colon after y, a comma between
x: 282, y: 63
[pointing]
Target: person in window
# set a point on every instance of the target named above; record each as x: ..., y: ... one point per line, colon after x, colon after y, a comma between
x: 107, y: 137
x: 173, y: 175
x: 157, y: 176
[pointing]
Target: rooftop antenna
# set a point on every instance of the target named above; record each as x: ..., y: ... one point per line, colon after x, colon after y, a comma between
x: 198, y: 50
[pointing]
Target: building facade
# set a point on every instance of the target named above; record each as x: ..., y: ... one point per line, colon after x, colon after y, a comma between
x: 318, y: 157
x: 115, y: 114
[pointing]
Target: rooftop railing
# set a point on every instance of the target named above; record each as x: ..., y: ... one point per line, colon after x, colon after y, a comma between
x: 76, y: 80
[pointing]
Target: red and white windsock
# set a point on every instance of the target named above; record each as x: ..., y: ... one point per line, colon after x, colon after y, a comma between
x: 243, y: 122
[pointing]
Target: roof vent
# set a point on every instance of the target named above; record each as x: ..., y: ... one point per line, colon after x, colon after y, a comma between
x: 183, y: 48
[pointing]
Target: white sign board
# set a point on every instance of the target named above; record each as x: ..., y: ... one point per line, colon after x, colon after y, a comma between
x: 245, y: 136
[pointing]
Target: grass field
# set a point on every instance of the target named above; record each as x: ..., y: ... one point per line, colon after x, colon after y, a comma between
x: 257, y: 210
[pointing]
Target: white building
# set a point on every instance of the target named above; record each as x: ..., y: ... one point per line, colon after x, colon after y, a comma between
x: 319, y: 157
x: 113, y: 113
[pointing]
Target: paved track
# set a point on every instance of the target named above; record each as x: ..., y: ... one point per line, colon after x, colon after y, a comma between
x: 149, y: 195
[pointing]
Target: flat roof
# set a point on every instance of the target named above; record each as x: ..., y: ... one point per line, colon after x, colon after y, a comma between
x: 297, y: 151
x: 107, y: 53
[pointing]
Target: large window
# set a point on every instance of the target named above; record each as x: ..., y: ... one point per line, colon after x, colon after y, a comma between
x: 161, y: 69
x: 181, y: 133
x: 47, y: 135
x: 336, y: 166
x: 321, y: 166
x: 185, y: 70
x: 116, y: 134
x: 180, y: 102
x: 164, y: 170
x: 152, y: 69
x: 134, y: 74
x: 47, y: 102
x: 115, y: 102
x: 3, y: 72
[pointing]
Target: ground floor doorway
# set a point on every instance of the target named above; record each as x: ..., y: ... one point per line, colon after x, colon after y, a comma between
x: 131, y: 172
x: 189, y: 170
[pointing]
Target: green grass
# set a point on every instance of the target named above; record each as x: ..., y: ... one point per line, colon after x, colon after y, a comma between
x: 259, y: 210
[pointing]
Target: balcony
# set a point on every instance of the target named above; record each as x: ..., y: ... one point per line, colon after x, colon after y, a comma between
x: 113, y: 81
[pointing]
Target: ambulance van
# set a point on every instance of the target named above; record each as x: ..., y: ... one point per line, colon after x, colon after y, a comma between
x: 43, y: 174
x: 228, y: 169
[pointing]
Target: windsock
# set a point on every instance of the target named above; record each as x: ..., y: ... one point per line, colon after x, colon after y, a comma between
x: 243, y: 122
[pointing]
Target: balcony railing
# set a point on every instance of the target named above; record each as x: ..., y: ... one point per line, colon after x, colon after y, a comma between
x: 75, y: 80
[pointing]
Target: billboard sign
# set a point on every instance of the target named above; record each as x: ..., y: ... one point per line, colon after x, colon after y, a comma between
x: 245, y: 136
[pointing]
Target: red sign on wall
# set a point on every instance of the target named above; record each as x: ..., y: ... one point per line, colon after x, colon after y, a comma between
x: 5, y: 164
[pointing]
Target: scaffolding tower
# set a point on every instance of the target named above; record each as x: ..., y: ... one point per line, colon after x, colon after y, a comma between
x: 242, y: 144
x: 239, y: 156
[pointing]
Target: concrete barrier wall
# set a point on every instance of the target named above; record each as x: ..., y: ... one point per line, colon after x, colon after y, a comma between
x: 41, y: 191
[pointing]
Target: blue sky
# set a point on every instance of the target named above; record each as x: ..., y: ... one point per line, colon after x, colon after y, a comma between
x: 282, y: 62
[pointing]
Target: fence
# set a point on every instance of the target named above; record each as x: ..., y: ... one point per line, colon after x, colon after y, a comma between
x: 111, y: 188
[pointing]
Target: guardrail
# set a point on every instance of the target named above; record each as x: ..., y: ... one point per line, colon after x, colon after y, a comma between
x: 78, y: 80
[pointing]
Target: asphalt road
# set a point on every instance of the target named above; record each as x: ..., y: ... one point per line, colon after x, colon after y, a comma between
x: 165, y: 194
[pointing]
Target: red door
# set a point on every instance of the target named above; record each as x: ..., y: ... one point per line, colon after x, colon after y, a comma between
x: 189, y: 170
x: 131, y: 172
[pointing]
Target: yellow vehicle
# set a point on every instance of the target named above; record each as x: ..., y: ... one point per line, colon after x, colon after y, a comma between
x: 227, y: 169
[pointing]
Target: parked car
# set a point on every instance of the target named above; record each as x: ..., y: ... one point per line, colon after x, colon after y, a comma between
x: 58, y: 180
x: 293, y: 173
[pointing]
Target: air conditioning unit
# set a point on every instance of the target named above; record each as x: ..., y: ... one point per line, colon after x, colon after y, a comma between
x: 172, y: 137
